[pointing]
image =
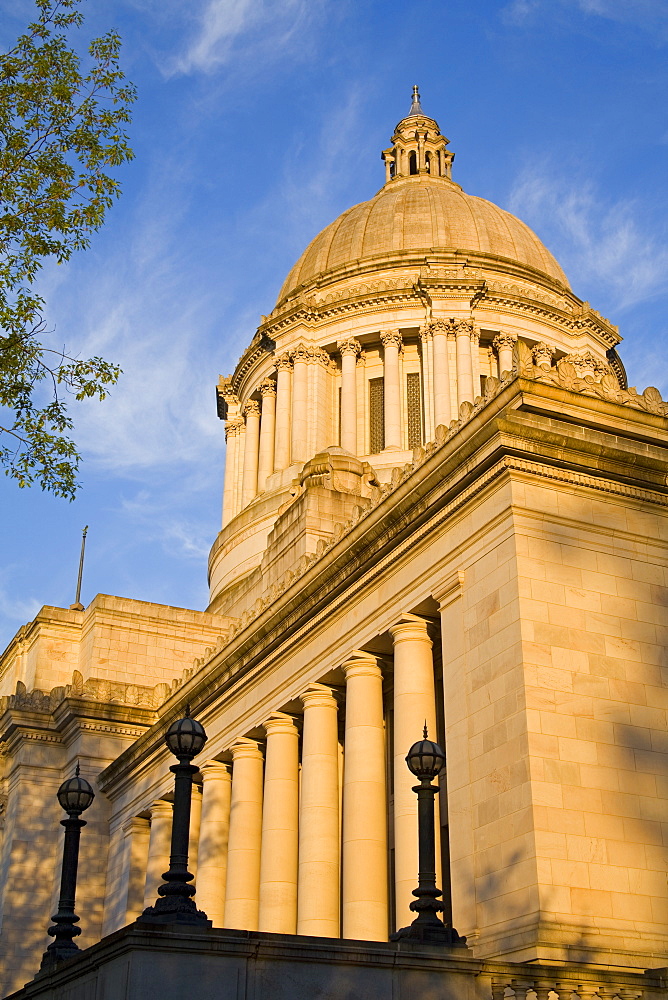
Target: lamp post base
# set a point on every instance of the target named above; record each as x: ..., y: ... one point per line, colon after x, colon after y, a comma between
x: 428, y: 928
x: 175, y: 910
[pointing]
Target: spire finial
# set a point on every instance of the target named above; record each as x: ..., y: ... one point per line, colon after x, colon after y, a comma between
x: 416, y: 108
x: 425, y: 736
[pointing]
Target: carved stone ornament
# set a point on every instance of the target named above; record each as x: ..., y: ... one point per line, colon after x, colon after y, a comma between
x: 504, y: 340
x: 336, y: 469
x: 465, y: 327
x: 267, y: 388
x: 350, y: 346
x: 234, y: 427
x: 426, y: 332
x: 301, y: 353
x: 251, y: 408
x: 284, y: 362
x: 542, y: 354
x: 391, y: 338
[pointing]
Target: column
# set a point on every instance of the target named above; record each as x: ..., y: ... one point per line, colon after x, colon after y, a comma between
x: 475, y: 360
x: 280, y: 825
x: 318, y: 887
x: 213, y: 840
x: 242, y: 891
x: 427, y: 350
x: 504, y: 343
x: 251, y: 451
x: 239, y: 465
x: 442, y: 411
x: 350, y: 351
x: 414, y: 703
x: 391, y: 341
x: 137, y: 832
x: 299, y: 404
x: 158, y: 849
x: 194, y: 827
x: 283, y: 410
x: 464, y: 366
x: 267, y: 433
x: 364, y: 848
x: 230, y: 458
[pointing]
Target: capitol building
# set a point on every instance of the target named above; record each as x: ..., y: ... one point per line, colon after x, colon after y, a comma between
x: 442, y: 504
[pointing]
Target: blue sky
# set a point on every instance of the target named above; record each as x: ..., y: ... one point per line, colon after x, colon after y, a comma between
x: 257, y: 123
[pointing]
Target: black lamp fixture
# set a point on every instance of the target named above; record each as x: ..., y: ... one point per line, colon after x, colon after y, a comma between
x: 426, y: 760
x: 74, y: 795
x: 185, y: 738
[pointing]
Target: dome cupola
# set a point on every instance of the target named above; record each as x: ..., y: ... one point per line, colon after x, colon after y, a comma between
x: 417, y: 147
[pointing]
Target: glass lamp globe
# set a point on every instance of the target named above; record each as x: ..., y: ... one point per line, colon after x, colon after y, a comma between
x: 425, y: 758
x: 185, y: 737
x: 75, y: 794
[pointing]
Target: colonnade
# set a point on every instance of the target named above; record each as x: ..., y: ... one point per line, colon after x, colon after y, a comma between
x: 290, y: 418
x: 297, y: 843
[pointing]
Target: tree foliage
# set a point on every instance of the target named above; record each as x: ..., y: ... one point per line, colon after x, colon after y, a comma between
x: 62, y: 129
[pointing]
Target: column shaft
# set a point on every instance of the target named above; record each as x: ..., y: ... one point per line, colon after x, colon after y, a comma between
x: 299, y: 405
x: 267, y: 434
x: 442, y: 414
x: 239, y: 466
x: 391, y: 341
x: 464, y: 366
x: 504, y: 343
x: 350, y: 350
x: 243, y: 854
x: 280, y: 823
x: 318, y: 888
x: 251, y: 451
x: 364, y: 849
x: 137, y: 832
x: 414, y: 704
x: 213, y: 841
x: 283, y: 410
x: 193, y: 832
x: 228, y: 488
x: 158, y: 849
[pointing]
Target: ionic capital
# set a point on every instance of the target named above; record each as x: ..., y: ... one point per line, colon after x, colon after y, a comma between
x: 362, y: 664
x: 391, y: 338
x: 318, y: 696
x: 284, y: 362
x: 350, y: 346
x: 410, y: 628
x: 279, y: 722
x: 267, y: 388
x: 542, y: 354
x: 244, y: 748
x: 504, y: 340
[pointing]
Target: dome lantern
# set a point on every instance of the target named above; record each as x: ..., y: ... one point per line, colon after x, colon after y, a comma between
x: 418, y: 147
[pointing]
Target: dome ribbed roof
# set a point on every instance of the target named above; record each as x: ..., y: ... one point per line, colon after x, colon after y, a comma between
x: 421, y: 213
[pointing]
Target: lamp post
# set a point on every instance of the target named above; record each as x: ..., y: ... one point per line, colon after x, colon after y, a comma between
x: 75, y: 795
x: 185, y: 738
x: 425, y: 760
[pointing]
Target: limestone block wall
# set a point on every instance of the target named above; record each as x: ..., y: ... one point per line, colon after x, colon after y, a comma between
x: 594, y: 607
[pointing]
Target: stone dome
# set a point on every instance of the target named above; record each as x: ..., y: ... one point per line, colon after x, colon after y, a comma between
x: 421, y: 214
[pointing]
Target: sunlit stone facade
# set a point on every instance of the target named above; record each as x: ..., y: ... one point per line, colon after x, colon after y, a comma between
x: 441, y: 503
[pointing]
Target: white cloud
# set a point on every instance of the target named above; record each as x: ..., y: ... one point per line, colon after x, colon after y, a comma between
x: 257, y: 30
x: 611, y: 246
x: 645, y: 14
